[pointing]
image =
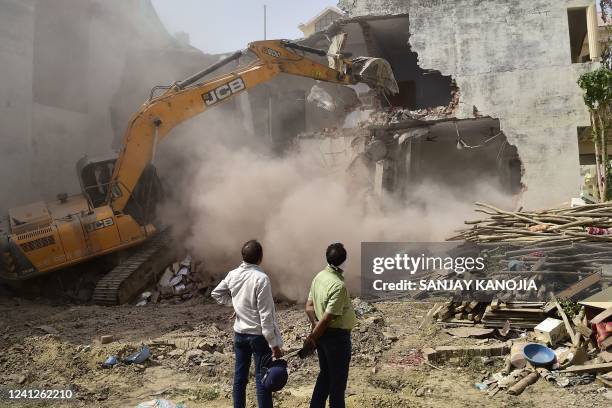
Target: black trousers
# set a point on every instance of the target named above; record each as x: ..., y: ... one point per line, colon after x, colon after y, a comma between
x: 334, y: 351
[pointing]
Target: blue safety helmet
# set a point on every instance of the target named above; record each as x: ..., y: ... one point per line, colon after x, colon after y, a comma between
x: 275, y: 376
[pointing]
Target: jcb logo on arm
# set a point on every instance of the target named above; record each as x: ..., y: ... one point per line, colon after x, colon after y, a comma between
x: 223, y: 91
x: 107, y: 222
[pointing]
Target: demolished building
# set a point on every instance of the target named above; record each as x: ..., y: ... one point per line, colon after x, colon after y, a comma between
x: 496, y: 100
x: 494, y: 55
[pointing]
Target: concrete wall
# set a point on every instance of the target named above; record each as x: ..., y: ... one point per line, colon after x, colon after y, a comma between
x: 63, y: 66
x: 510, y: 59
x: 16, y: 34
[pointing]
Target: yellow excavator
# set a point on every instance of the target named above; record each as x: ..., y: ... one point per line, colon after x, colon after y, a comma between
x: 116, y: 207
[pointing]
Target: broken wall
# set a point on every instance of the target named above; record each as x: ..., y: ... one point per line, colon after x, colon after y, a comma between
x: 511, y: 60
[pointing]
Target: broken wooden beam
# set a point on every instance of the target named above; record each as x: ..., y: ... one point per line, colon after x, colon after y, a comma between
x: 568, y: 326
x: 520, y: 386
x: 589, y: 368
x: 602, y: 316
x: 579, y: 286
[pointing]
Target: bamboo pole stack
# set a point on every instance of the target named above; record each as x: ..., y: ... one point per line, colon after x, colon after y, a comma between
x: 549, y: 225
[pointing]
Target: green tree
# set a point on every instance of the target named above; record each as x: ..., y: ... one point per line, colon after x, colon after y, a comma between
x: 597, y: 87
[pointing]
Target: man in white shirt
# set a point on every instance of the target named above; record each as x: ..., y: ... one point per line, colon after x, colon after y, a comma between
x: 256, y: 332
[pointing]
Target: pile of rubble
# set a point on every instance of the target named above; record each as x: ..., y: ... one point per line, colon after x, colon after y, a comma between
x: 179, y: 282
x: 398, y: 115
x: 566, y: 250
x: 566, y: 346
x: 524, y: 315
x: 371, y: 336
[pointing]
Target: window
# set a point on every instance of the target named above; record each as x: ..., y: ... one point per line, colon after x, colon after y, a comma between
x: 578, y: 25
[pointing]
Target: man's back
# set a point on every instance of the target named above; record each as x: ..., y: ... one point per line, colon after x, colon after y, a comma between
x: 247, y: 288
x: 329, y: 294
x: 257, y: 335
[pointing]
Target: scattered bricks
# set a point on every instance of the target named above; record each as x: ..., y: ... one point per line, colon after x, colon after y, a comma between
x: 429, y: 354
x: 107, y: 339
x: 444, y: 353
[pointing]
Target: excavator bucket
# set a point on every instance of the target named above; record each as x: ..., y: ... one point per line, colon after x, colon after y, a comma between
x: 376, y: 72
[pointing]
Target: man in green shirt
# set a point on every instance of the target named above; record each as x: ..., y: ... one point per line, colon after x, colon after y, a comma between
x: 332, y: 318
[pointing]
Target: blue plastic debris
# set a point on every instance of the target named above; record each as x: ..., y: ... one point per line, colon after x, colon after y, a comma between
x: 160, y: 403
x: 109, y: 362
x: 481, y: 386
x: 538, y: 355
x: 515, y: 265
x: 139, y: 357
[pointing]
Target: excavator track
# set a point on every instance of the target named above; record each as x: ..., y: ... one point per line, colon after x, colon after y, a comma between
x: 128, y: 279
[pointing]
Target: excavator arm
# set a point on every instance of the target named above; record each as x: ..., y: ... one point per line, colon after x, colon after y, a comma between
x: 185, y: 99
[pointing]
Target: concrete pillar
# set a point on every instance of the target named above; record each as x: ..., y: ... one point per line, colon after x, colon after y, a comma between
x: 382, y: 175
x: 593, y: 33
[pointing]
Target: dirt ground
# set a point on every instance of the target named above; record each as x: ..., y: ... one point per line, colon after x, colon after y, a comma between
x: 58, y: 347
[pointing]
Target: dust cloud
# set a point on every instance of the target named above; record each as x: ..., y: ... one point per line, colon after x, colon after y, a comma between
x: 295, y: 207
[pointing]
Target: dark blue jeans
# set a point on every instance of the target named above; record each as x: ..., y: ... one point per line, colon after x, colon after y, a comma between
x: 334, y: 351
x: 245, y: 346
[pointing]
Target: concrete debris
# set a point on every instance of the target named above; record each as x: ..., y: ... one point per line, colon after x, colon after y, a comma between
x: 107, y: 338
x: 321, y: 98
x: 180, y: 281
x: 361, y: 307
x: 466, y: 332
x: 399, y: 115
x: 445, y: 353
x: 577, y: 361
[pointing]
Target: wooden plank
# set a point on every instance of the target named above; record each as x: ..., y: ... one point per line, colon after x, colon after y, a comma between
x: 604, y: 381
x: 582, y: 329
x: 549, y: 307
x: 602, y: 316
x: 568, y: 326
x: 430, y: 315
x: 581, y: 285
x: 519, y: 310
x: 512, y: 319
x: 589, y: 368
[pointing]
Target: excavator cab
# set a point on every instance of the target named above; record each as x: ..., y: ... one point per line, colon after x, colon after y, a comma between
x: 94, y: 175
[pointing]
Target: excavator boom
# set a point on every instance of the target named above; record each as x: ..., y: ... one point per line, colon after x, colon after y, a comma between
x: 115, y: 210
x: 188, y: 98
